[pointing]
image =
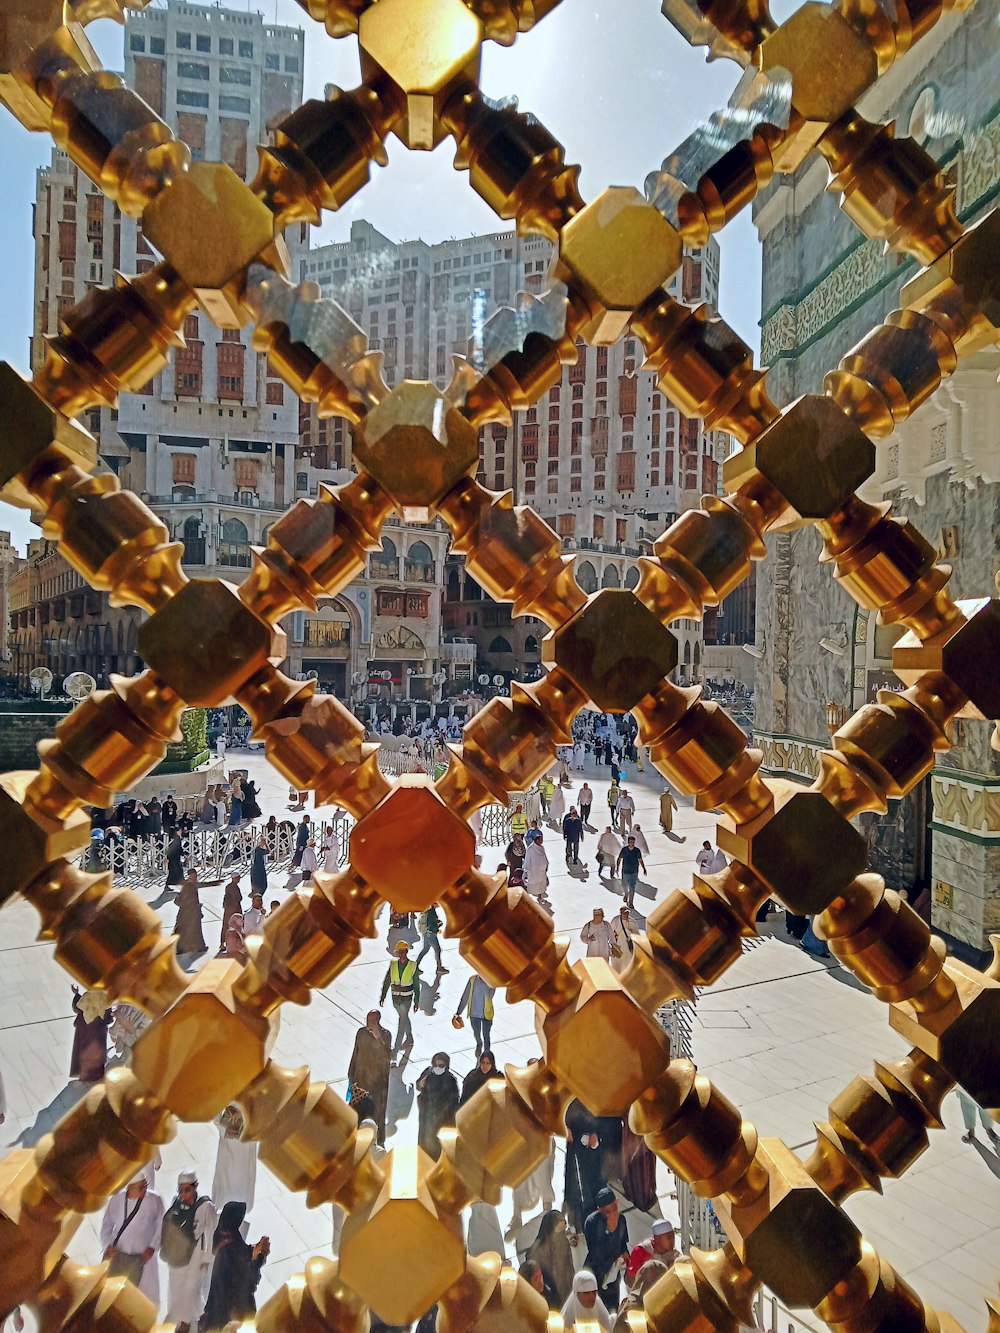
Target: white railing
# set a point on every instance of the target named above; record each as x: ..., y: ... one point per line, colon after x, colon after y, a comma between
x: 773, y: 1317
x: 214, y: 853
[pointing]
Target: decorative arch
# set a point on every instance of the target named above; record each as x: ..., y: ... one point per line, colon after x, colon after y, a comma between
x: 586, y: 576
x: 687, y: 652
x: 531, y: 644
x: 453, y: 590
x: 389, y: 551
x: 632, y: 576
x: 420, y: 554
x: 500, y: 645
x: 611, y: 578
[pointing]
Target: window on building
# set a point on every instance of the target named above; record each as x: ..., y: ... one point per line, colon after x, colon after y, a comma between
x: 234, y: 548
x: 194, y: 542
x: 136, y: 42
x: 157, y: 46
x: 225, y: 46
x: 291, y: 64
x: 203, y: 42
x: 247, y: 474
x: 227, y: 102
x: 191, y: 69
x: 187, y: 97
x: 566, y: 525
x: 246, y: 50
x: 184, y: 41
x: 500, y: 645
x: 384, y: 564
x: 184, y: 469
x: 235, y: 74
x: 275, y: 392
x: 272, y: 61
x: 420, y: 563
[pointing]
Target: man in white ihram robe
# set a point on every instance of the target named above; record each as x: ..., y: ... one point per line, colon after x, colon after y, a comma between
x: 187, y: 1287
x: 235, y: 1163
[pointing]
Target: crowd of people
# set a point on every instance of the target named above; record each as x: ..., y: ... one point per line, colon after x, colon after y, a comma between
x: 578, y: 1255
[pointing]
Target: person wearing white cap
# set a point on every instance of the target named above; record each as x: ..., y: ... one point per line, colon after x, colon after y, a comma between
x: 186, y: 1249
x: 584, y: 1304
x: 662, y: 1244
x: 130, y: 1235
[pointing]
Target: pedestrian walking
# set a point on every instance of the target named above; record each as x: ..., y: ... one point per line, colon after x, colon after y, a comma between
x: 310, y: 861
x: 186, y: 1248
x: 220, y: 746
x: 258, y: 866
x: 614, y: 796
x: 403, y: 978
x: 518, y: 821
x: 608, y: 847
x: 668, y: 807
x: 545, y: 789
x: 557, y: 806
x: 607, y: 1246
x: 626, y: 809
x: 175, y: 859
x: 596, y: 935
x: 235, y: 1272
x: 331, y: 850
x: 477, y: 1001
x: 130, y: 1236
x: 705, y: 858
x: 536, y: 869
x: 640, y: 839
x: 970, y: 1109
x: 368, y: 1072
x: 168, y: 815
x: 551, y: 1251
x: 622, y: 944
x: 429, y: 926
x: 437, y: 1103
x: 584, y: 800
x: 235, y: 1179
x: 514, y: 856
x: 303, y: 832
x: 232, y: 904
x: 572, y: 831
x: 628, y: 864
x: 89, y: 1056
x: 253, y: 917
x: 187, y: 925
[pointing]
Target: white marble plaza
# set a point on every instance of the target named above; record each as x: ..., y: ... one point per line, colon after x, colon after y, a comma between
x: 781, y: 1034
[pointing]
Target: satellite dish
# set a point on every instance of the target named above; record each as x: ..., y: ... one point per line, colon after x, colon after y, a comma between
x: 41, y: 680
x: 483, y: 679
x: 386, y: 674
x: 78, y: 685
x: 312, y: 675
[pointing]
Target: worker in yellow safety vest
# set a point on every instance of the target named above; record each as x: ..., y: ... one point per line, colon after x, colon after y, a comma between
x: 518, y: 823
x: 403, y: 978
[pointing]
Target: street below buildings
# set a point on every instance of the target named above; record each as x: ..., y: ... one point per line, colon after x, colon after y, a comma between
x: 781, y: 1034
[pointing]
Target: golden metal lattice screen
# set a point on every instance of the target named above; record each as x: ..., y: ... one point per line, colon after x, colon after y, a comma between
x: 206, y: 641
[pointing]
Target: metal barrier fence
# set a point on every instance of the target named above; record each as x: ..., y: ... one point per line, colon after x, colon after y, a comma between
x: 773, y: 1317
x: 214, y: 853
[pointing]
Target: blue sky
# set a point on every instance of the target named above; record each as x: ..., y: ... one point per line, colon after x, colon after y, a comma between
x: 612, y: 80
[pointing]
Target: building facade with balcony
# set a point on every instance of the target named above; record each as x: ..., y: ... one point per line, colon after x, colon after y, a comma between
x: 379, y: 643
x: 210, y: 442
x: 822, y: 656
x: 58, y: 621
